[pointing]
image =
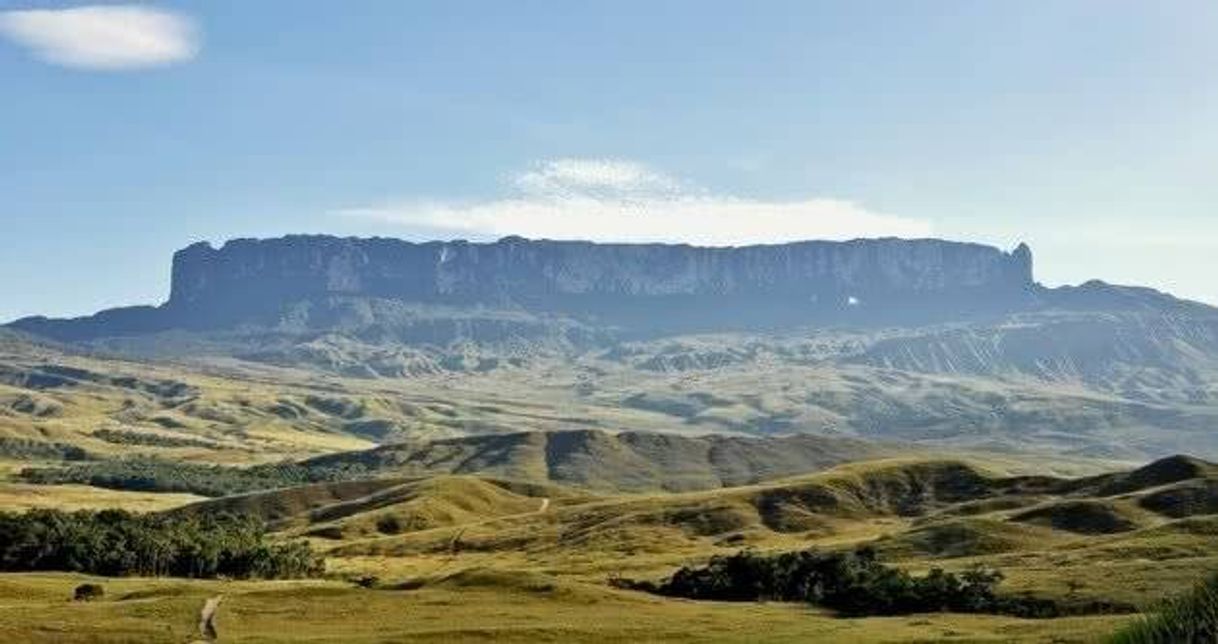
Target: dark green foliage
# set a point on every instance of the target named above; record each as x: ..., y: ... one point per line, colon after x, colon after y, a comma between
x: 117, y: 543
x: 126, y: 437
x: 1189, y: 619
x: 88, y: 592
x: 155, y: 475
x: 20, y: 448
x: 852, y: 583
x: 390, y: 524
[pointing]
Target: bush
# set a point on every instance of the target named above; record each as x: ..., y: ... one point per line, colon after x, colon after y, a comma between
x: 116, y: 543
x: 88, y: 592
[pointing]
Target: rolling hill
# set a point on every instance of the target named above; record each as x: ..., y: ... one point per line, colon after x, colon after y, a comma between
x: 950, y: 513
x: 627, y: 461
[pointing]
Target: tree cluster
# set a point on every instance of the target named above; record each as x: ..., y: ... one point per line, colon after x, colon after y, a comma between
x: 119, y: 543
x: 852, y: 583
x: 155, y: 475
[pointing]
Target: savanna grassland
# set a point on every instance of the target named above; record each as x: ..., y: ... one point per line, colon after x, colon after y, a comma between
x: 439, y: 519
x: 460, y: 557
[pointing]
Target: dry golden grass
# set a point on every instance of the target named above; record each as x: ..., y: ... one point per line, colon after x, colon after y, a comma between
x: 17, y: 497
x: 471, y: 606
x: 499, y: 568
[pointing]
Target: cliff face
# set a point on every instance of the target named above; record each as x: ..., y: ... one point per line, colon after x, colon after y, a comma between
x: 604, y: 279
x: 387, y: 288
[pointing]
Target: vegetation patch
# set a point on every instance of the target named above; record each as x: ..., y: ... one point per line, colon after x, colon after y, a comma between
x: 965, y: 538
x: 155, y: 475
x: 29, y: 405
x: 1083, y: 517
x: 119, y: 543
x: 25, y: 449
x: 1185, y: 499
x: 127, y: 437
x: 854, y: 584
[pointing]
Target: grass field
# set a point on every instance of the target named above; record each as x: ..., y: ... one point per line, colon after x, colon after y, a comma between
x: 18, y: 497
x: 475, y: 606
x: 531, y: 562
x: 472, y: 559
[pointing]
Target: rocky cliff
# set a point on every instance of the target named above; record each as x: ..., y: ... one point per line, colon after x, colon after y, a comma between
x: 520, y: 271
x: 623, y: 284
x: 384, y: 289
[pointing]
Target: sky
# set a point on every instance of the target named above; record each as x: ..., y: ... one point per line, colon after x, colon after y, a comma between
x: 1087, y: 129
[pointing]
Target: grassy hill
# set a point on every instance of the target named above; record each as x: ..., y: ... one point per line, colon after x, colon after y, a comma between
x: 532, y: 560
x: 917, y: 508
x: 628, y: 461
x: 516, y: 493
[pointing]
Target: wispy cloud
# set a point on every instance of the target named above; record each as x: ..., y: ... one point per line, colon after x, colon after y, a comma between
x: 608, y: 178
x: 103, y: 37
x: 613, y: 200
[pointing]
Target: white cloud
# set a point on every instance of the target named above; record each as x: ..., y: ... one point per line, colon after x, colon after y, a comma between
x: 610, y: 178
x: 607, y: 200
x: 103, y: 37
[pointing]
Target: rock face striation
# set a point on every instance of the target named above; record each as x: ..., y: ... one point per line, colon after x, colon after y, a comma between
x: 651, y: 285
x: 519, y: 271
x: 381, y: 285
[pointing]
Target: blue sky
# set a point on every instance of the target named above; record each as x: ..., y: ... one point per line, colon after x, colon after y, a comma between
x: 1087, y: 129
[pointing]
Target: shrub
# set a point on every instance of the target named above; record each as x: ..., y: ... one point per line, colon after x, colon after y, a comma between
x: 88, y: 592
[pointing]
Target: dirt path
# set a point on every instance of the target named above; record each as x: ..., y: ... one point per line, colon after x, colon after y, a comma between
x: 207, y: 618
